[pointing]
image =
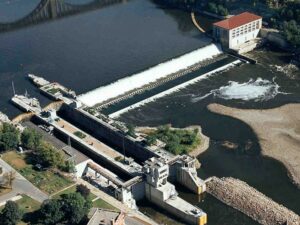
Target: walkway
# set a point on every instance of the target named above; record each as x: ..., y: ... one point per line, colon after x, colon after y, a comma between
x: 196, y: 23
x: 21, y: 186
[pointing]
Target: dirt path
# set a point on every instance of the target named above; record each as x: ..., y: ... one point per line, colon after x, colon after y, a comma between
x: 278, y: 131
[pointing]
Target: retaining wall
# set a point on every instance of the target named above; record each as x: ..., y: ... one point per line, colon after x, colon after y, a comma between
x: 106, y: 133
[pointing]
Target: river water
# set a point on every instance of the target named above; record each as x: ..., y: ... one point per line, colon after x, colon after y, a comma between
x: 90, y: 49
x: 271, y: 83
x: 97, y: 47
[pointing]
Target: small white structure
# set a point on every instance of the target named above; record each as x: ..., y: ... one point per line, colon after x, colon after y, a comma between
x: 238, y: 32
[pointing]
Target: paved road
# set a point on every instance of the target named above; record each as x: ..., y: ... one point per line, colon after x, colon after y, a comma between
x: 21, y: 186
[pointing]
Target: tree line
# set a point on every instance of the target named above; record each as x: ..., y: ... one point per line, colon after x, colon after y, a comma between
x: 69, y: 209
x: 43, y: 152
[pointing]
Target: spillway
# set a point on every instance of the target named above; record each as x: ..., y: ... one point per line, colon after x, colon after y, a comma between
x: 153, y: 74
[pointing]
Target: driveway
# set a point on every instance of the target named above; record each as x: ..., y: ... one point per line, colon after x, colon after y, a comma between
x: 21, y: 186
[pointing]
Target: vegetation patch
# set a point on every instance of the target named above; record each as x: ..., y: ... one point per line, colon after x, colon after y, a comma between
x: 72, y: 189
x: 79, y: 134
x: 53, y: 91
x: 48, y: 180
x: 217, y: 7
x: 99, y: 203
x: 14, y: 159
x: 28, y: 204
x: 177, y: 141
x: 287, y: 19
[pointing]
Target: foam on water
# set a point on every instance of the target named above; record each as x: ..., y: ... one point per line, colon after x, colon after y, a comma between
x: 174, y: 89
x: 290, y: 70
x: 153, y: 74
x: 256, y: 90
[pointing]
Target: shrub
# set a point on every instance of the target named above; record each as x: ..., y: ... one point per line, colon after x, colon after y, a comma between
x: 11, y: 214
x: 9, y: 137
x: 31, y: 139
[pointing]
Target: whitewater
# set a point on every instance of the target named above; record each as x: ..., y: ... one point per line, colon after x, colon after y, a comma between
x: 150, y: 75
x: 174, y: 89
x: 258, y: 90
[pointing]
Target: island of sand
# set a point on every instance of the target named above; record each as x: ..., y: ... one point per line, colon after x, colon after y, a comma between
x: 278, y: 132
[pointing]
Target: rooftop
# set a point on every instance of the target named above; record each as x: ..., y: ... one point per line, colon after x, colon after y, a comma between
x: 237, y: 21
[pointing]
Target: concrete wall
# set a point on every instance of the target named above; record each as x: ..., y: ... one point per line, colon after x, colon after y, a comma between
x: 138, y: 191
x: 246, y: 36
x: 230, y: 39
x: 84, y: 148
x: 106, y: 134
x: 80, y: 168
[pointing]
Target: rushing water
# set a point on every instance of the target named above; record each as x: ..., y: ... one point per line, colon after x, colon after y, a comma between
x: 101, y: 46
x: 255, y: 86
x: 90, y: 49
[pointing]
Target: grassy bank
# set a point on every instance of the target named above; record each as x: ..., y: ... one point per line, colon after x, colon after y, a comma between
x: 48, y: 180
x: 177, y: 141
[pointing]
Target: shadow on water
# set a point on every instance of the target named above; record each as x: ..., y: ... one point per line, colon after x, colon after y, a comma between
x: 266, y: 174
x: 244, y: 161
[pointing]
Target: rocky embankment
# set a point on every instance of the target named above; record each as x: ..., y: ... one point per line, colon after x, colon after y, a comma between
x: 251, y: 202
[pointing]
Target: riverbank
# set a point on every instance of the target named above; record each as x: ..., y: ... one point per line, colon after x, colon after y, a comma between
x: 278, y: 132
x: 199, y: 149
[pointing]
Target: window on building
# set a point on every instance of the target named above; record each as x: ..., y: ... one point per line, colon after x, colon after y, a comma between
x: 257, y: 25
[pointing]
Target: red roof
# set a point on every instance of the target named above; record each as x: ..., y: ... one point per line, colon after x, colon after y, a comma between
x: 237, y: 21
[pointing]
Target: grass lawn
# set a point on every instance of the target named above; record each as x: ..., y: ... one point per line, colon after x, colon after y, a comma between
x: 27, y: 205
x: 47, y: 181
x: 72, y: 190
x: 99, y: 203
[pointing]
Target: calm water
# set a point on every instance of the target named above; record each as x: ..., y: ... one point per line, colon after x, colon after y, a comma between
x: 90, y: 49
x: 187, y: 107
x: 97, y: 47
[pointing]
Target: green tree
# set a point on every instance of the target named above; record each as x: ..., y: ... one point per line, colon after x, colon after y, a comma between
x: 212, y: 7
x: 9, y: 137
x: 49, y: 156
x: 51, y: 213
x: 131, y: 130
x: 68, y: 166
x: 222, y: 10
x: 31, y: 139
x: 151, y: 140
x: 11, y: 214
x: 75, y: 207
x: 83, y: 190
x: 292, y: 32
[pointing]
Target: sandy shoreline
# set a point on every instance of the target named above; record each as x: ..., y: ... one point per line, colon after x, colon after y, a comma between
x: 278, y: 132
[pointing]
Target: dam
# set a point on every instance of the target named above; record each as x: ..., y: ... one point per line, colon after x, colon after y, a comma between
x: 133, y: 170
x: 153, y: 74
x: 158, y: 81
x: 149, y: 173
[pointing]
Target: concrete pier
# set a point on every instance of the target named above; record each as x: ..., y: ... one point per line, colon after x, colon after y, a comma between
x: 251, y: 202
x: 163, y: 194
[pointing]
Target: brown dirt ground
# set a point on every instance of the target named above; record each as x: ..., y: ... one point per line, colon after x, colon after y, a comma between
x: 278, y: 131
